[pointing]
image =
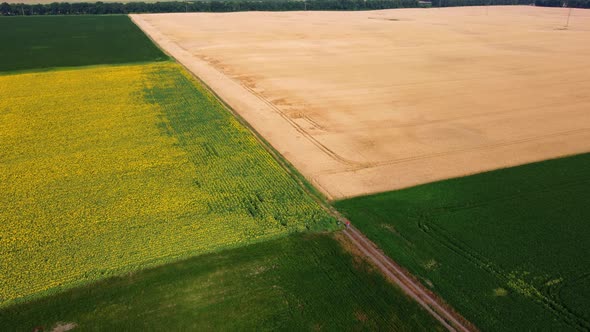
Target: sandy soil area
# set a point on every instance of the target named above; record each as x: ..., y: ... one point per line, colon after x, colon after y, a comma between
x: 363, y: 102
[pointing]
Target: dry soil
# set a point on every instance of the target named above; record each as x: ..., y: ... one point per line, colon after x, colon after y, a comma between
x: 363, y: 102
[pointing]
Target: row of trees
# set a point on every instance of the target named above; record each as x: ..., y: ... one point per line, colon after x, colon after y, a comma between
x: 542, y: 3
x: 578, y: 3
x: 564, y: 3
x: 457, y: 3
x: 65, y: 8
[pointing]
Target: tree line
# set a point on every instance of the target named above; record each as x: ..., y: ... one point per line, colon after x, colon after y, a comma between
x: 540, y: 3
x: 457, y: 3
x: 81, y: 8
x: 564, y: 3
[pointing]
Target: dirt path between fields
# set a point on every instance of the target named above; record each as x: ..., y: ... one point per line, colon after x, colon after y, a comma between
x: 234, y: 94
x: 217, y: 81
x: 430, y: 302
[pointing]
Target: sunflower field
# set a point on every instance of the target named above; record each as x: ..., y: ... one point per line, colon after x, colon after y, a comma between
x: 110, y: 169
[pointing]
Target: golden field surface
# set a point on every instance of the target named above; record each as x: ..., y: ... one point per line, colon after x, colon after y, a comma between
x: 365, y: 102
x: 111, y: 169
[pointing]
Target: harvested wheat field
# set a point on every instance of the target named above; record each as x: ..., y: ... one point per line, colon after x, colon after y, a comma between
x: 364, y: 102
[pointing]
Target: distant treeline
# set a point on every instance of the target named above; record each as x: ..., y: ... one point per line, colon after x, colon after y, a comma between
x: 541, y: 3
x: 564, y: 3
x: 80, y: 8
x: 458, y: 3
x: 64, y: 8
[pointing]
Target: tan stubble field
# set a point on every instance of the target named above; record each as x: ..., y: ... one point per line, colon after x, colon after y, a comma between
x: 364, y: 102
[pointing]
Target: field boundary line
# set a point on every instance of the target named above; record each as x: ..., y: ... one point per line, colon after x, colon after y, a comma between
x: 447, y: 317
x: 440, y: 310
x: 457, y: 151
x: 82, y: 67
x: 322, y: 147
x: 283, y: 162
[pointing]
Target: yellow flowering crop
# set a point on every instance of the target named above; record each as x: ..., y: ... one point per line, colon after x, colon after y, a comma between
x: 110, y: 169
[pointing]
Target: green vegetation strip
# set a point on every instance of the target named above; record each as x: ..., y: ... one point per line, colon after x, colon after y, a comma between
x: 507, y: 248
x: 47, y: 42
x: 302, y: 282
x: 215, y: 6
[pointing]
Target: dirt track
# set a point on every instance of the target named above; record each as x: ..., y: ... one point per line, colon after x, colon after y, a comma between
x: 446, y: 316
x: 362, y: 102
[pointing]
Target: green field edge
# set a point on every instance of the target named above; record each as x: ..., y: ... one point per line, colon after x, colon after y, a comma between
x: 285, y: 164
x: 301, y: 180
x: 292, y: 170
x: 95, y: 66
x: 377, y: 193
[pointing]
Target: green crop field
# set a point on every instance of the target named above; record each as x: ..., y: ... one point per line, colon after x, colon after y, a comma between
x: 64, y: 41
x: 297, y: 283
x: 507, y: 248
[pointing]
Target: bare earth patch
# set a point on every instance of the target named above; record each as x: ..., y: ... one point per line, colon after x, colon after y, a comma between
x: 363, y: 102
x: 63, y: 327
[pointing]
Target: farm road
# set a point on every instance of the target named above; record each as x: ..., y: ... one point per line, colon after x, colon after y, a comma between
x: 412, y: 288
x: 236, y: 97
